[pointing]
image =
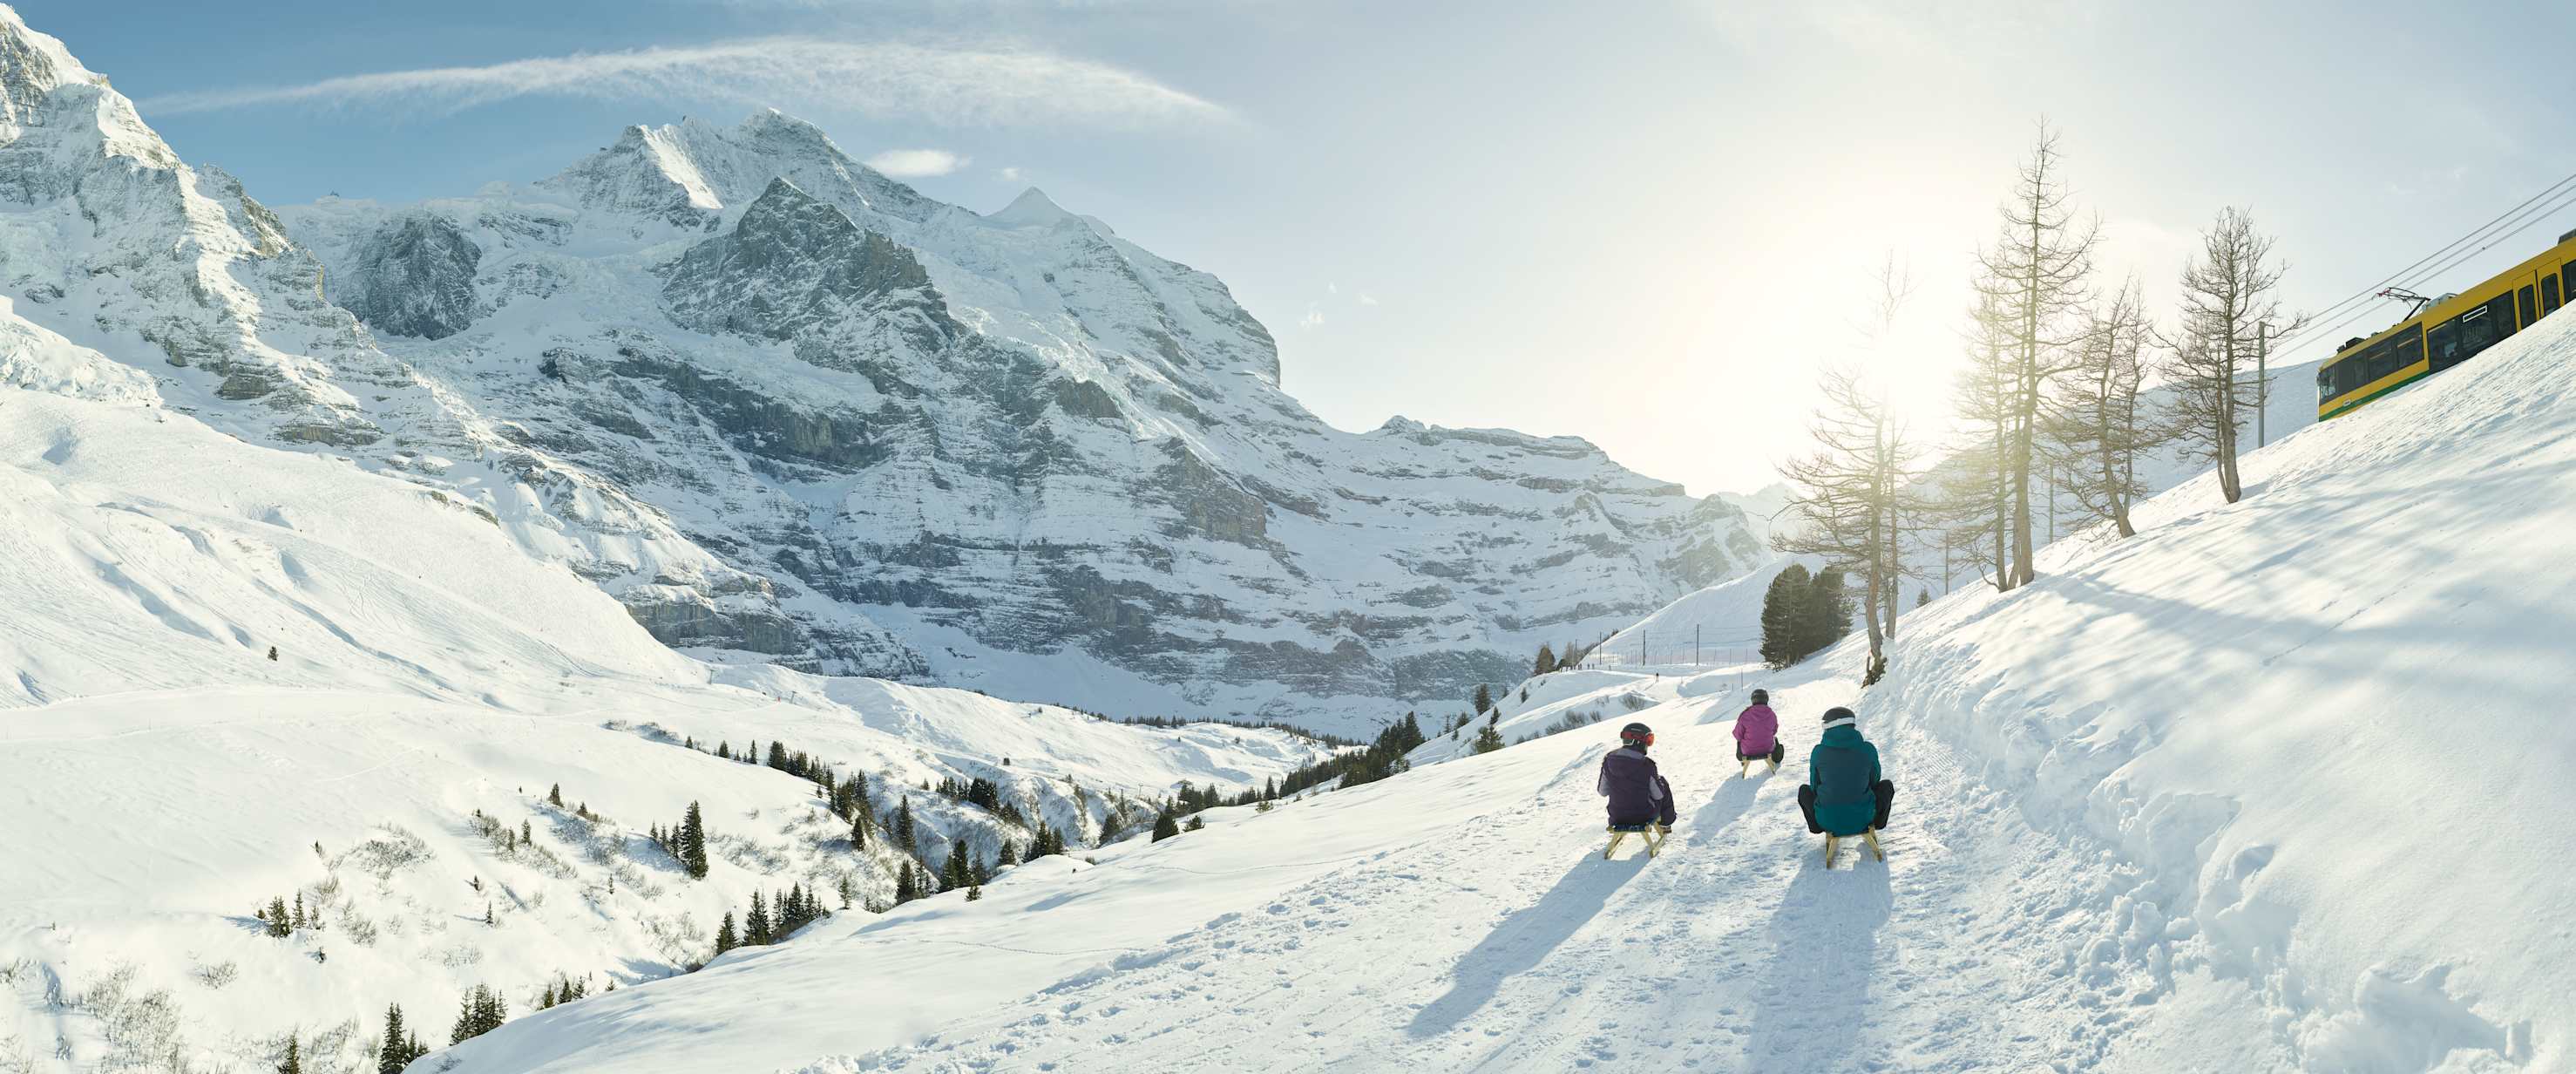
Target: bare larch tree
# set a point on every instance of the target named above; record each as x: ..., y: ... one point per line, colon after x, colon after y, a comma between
x: 2035, y: 275
x: 2228, y: 300
x: 2100, y: 422
x: 1851, y: 496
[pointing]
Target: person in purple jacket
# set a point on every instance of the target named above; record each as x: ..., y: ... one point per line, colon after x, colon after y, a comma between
x: 1757, y: 734
x: 1638, y: 796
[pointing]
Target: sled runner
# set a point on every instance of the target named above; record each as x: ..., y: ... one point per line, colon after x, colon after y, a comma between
x: 1834, y: 843
x: 1654, y: 836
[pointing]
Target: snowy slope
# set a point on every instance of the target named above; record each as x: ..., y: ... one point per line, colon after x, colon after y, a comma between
x: 2266, y: 788
x: 163, y: 774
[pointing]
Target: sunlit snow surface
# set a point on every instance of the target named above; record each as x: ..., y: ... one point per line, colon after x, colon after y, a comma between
x: 2268, y: 787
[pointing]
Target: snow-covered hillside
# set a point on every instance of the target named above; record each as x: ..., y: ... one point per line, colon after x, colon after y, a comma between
x: 164, y: 773
x: 2266, y: 788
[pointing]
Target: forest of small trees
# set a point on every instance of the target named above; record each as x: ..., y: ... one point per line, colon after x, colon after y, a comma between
x: 2053, y: 401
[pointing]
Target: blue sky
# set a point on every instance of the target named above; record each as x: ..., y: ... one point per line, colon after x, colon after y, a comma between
x: 1643, y: 223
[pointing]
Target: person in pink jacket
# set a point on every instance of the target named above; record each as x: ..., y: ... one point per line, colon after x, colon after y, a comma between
x: 1757, y: 734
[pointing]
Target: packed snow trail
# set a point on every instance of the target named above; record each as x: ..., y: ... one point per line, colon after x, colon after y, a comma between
x: 1462, y: 918
x: 1506, y: 942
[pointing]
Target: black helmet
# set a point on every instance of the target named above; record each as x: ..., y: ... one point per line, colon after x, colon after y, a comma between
x: 1761, y: 697
x: 1839, y: 714
x: 1637, y: 734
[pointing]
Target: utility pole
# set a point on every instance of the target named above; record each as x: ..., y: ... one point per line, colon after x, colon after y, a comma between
x: 2262, y: 380
x: 1694, y: 645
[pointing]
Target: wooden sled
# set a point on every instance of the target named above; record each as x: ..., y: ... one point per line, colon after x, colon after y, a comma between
x: 1834, y: 843
x: 1653, y: 834
x: 1747, y: 765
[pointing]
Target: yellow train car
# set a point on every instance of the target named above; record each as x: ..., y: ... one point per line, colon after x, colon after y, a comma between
x: 2448, y: 332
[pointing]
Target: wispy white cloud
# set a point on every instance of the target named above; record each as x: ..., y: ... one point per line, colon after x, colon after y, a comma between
x: 1367, y: 299
x: 1314, y: 317
x: 1009, y: 175
x: 994, y: 86
x: 917, y: 163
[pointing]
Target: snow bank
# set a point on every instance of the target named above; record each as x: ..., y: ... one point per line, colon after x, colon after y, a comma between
x: 2327, y: 723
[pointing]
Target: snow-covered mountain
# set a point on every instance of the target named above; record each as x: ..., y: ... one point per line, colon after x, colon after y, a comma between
x: 1013, y: 451
x: 788, y: 410
x: 2267, y: 788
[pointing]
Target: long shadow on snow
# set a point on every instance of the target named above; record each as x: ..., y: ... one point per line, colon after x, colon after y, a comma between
x: 1813, y: 996
x: 1733, y: 798
x: 1524, y: 940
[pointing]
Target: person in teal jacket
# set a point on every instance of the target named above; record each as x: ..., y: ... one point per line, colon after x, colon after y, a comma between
x: 1844, y: 793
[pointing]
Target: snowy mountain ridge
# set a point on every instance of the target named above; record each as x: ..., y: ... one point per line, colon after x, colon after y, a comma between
x: 1013, y: 451
x: 789, y: 410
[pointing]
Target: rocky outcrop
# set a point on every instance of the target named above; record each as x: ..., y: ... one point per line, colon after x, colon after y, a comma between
x: 794, y: 265
x: 416, y: 278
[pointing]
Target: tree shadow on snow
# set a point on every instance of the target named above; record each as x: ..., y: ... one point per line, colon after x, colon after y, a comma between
x: 1811, y: 999
x: 1524, y: 940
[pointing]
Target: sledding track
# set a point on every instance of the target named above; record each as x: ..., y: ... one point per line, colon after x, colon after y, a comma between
x: 1507, y: 943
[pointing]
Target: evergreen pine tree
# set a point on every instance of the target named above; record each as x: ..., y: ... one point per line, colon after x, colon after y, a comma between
x: 904, y: 891
x: 554, y: 796
x: 974, y: 893
x: 1784, y: 608
x: 904, y: 836
x: 1195, y: 824
x: 396, y: 1051
x: 1829, y: 611
x: 294, y: 1063
x: 726, y: 940
x: 1484, y: 697
x: 1546, y: 661
x: 755, y: 925
x: 1010, y: 855
x: 464, y: 1029
x: 489, y: 1011
x: 1166, y: 826
x: 858, y: 830
x: 956, y: 873
x: 1489, y: 739
x: 299, y: 909
x: 278, y: 923
x: 693, y: 843
x: 524, y: 837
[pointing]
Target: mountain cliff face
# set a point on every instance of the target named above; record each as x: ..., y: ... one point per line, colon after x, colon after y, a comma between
x: 789, y: 410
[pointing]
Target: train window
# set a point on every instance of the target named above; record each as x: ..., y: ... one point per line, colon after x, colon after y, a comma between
x: 2409, y: 345
x: 2325, y: 384
x: 2530, y: 312
x: 2382, y: 358
x: 2549, y: 294
x: 2443, y: 343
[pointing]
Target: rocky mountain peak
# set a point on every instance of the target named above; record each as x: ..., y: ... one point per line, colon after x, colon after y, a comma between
x: 33, y: 65
x: 793, y: 263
